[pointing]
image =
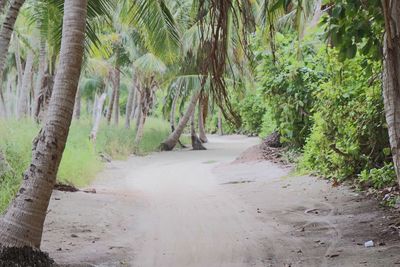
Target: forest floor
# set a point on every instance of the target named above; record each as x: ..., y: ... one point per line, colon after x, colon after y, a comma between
x: 203, y: 209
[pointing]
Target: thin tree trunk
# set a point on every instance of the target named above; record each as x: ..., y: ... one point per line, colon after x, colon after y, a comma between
x: 129, y: 103
x: 202, y: 132
x: 112, y: 101
x: 117, y: 81
x: 391, y: 77
x: 22, y: 225
x: 173, y: 138
x: 196, y: 142
x: 139, y: 107
x: 40, y: 77
x: 220, y: 128
x: 98, y: 111
x: 135, y: 103
x: 26, y: 87
x: 78, y: 104
x: 145, y: 102
x: 5, y: 36
x: 173, y: 109
x: 94, y: 108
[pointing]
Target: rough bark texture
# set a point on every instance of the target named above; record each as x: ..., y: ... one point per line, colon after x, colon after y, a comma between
x: 98, y: 111
x: 22, y: 224
x: 44, y: 96
x: 196, y: 142
x: 173, y: 109
x: 391, y: 77
x: 26, y: 87
x: 173, y: 138
x: 129, y: 103
x: 5, y: 36
x: 202, y: 132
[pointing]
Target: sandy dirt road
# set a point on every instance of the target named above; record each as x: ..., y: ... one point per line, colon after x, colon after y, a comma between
x: 197, y: 209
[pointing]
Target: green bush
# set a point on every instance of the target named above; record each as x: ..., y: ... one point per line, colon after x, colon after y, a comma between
x: 379, y: 178
x: 349, y: 134
x: 252, y: 110
x: 288, y: 85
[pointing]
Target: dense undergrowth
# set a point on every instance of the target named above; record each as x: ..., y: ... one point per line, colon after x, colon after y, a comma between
x: 330, y: 109
x: 81, y: 159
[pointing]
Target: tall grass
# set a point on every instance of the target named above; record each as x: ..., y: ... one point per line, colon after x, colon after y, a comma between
x: 81, y: 160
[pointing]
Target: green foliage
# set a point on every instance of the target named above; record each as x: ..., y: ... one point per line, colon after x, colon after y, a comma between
x: 288, y: 86
x: 349, y: 134
x: 252, y: 110
x: 356, y: 25
x: 379, y: 178
x: 81, y: 161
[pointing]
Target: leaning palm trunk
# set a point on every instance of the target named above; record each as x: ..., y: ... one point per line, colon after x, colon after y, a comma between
x: 202, y: 132
x: 5, y: 36
x: 196, y: 142
x: 112, y: 101
x: 129, y: 103
x: 97, y: 111
x: 391, y: 77
x: 26, y: 86
x: 22, y: 225
x: 173, y: 138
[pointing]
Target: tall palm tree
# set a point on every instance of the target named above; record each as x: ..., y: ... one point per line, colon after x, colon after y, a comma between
x: 6, y: 32
x: 391, y: 78
x: 22, y: 225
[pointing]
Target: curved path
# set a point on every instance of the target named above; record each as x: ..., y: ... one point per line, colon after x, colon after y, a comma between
x: 196, y: 209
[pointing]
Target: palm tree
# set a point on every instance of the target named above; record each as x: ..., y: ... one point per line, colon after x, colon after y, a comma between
x: 391, y: 78
x: 6, y: 32
x: 22, y: 225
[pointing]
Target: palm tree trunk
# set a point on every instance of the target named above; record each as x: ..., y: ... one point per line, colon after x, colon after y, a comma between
x: 202, y: 132
x: 5, y: 35
x: 116, y: 83
x: 78, y: 104
x: 129, y: 103
x: 391, y: 77
x: 40, y: 76
x: 2, y: 5
x: 135, y: 103
x: 97, y: 111
x: 22, y: 225
x: 196, y: 142
x: 26, y: 86
x: 173, y: 109
x: 220, y: 128
x: 144, y: 110
x: 111, y: 104
x: 173, y: 138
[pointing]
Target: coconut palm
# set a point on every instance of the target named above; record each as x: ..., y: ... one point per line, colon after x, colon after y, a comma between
x: 22, y: 224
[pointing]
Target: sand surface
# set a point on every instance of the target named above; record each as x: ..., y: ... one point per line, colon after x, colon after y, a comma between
x: 198, y: 209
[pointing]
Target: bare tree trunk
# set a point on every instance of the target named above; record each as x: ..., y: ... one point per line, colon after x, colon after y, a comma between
x: 2, y: 5
x: 22, y: 224
x: 173, y: 109
x: 173, y: 138
x: 111, y: 103
x: 26, y: 86
x: 220, y: 128
x: 78, y: 104
x: 135, y: 103
x: 196, y: 142
x: 116, y: 83
x: 391, y: 77
x: 98, y: 113
x: 5, y: 36
x: 145, y: 103
x: 202, y: 132
x: 40, y: 76
x: 44, y: 97
x: 129, y: 103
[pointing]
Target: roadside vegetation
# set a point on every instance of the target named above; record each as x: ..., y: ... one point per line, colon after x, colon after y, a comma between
x: 82, y: 159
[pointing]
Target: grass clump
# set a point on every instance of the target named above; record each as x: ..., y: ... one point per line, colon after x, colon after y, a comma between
x: 81, y: 161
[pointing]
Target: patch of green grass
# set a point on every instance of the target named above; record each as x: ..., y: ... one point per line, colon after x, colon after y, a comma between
x: 81, y: 161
